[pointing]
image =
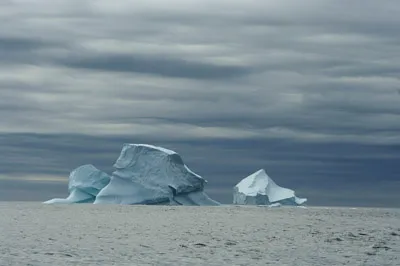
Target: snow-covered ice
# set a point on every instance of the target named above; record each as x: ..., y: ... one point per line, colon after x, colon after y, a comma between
x: 85, y: 182
x: 259, y: 189
x: 147, y: 174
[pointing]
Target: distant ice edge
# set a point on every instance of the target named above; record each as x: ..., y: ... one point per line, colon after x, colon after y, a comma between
x: 259, y: 189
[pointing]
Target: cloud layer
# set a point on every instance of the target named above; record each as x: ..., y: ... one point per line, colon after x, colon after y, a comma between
x: 314, y: 74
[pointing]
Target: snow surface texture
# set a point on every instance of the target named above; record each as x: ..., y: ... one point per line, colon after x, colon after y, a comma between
x: 85, y: 182
x: 147, y: 174
x: 260, y: 189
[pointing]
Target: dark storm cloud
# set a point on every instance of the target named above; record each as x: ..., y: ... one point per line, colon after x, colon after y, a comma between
x: 23, y: 190
x: 24, y: 50
x: 168, y: 67
x: 308, y: 90
x: 14, y: 50
x: 20, y: 44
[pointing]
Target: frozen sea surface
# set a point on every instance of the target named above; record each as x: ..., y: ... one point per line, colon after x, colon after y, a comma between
x: 87, y: 234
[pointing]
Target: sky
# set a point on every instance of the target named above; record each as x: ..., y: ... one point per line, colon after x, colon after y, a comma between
x: 308, y: 90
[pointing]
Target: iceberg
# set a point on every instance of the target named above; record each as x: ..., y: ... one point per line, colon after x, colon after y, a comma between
x: 260, y: 189
x: 147, y: 174
x: 85, y: 182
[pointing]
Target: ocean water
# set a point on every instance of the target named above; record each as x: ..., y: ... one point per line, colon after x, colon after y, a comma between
x: 87, y: 234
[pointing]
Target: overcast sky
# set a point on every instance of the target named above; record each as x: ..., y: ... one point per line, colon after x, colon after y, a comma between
x: 308, y: 90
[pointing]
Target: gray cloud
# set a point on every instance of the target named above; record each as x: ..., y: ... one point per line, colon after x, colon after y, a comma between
x: 314, y: 75
x: 17, y: 190
x: 168, y: 67
x: 20, y: 44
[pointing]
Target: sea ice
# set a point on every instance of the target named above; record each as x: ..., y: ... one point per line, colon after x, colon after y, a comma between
x: 147, y: 174
x: 260, y: 189
x: 85, y: 182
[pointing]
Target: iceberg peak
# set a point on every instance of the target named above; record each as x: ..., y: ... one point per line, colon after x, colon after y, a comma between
x: 254, y: 184
x: 259, y: 189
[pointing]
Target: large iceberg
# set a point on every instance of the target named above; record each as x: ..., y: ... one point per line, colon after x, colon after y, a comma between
x: 147, y: 174
x: 85, y: 182
x: 260, y: 189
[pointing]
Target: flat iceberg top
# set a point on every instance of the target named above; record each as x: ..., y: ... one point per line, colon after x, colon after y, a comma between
x: 141, y: 159
x: 163, y: 150
x: 259, y: 183
x: 167, y: 151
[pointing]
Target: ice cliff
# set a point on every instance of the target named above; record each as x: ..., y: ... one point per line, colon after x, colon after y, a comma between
x: 147, y: 174
x: 260, y: 189
x: 85, y: 182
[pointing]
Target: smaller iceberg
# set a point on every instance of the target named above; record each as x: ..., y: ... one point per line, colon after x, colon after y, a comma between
x: 260, y: 189
x: 85, y: 182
